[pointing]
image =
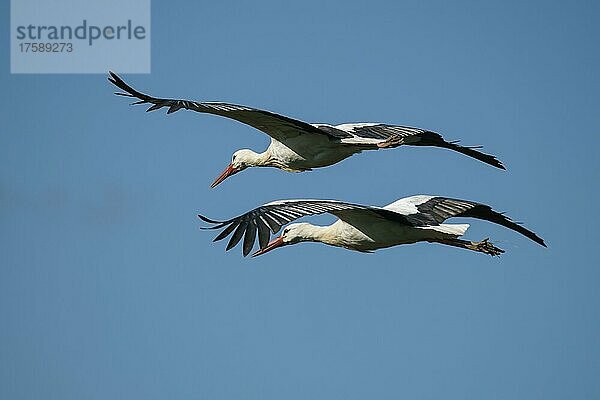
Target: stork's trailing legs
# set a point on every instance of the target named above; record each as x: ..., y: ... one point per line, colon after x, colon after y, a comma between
x: 484, y: 246
x: 391, y: 142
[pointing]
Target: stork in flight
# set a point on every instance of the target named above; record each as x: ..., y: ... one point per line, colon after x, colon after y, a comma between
x: 364, y: 228
x: 298, y: 146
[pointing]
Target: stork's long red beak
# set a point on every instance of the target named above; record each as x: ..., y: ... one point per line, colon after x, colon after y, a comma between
x: 230, y: 170
x: 273, y: 244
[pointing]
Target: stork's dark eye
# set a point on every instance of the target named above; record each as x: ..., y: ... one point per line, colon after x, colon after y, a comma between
x: 233, y: 159
x: 286, y: 230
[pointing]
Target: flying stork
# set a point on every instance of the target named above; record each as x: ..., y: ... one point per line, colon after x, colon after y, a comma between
x: 364, y: 228
x: 298, y: 146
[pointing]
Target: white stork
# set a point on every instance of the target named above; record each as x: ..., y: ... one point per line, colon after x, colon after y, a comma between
x: 364, y: 228
x: 298, y: 146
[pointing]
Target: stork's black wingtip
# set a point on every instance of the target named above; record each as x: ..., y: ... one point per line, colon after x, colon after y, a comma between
x: 116, y: 80
x: 210, y: 221
x: 205, y: 219
x: 497, y: 163
x: 538, y: 240
x: 153, y: 107
x: 112, y: 77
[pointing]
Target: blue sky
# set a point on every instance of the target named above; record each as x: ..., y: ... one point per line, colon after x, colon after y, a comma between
x: 108, y: 289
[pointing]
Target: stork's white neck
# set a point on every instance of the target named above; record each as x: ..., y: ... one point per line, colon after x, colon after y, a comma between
x: 319, y: 233
x: 262, y: 159
x: 275, y: 157
x: 306, y: 232
x: 339, y: 234
x: 249, y: 158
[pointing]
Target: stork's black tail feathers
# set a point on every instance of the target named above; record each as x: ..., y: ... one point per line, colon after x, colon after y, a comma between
x: 434, y: 139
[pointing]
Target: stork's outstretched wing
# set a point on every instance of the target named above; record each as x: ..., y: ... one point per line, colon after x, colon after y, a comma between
x: 277, y: 126
x: 384, y: 135
x: 272, y: 216
x: 280, y: 127
x: 433, y: 210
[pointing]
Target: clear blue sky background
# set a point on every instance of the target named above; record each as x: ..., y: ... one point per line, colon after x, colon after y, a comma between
x: 108, y: 289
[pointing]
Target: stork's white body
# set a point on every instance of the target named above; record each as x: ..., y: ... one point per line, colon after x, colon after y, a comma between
x: 301, y: 153
x: 367, y: 234
x: 362, y: 232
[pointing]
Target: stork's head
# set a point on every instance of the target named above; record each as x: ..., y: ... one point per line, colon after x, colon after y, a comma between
x: 240, y: 160
x: 299, y: 232
x: 291, y: 234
